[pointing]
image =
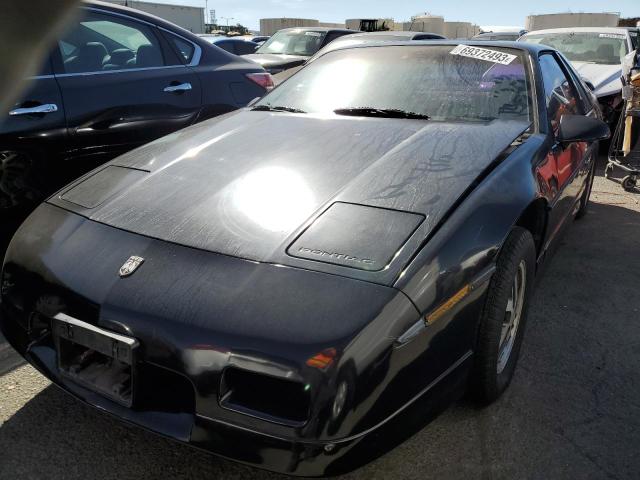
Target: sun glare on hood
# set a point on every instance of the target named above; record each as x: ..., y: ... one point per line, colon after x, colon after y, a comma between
x: 276, y: 198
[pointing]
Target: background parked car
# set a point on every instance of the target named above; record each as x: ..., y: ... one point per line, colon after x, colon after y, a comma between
x: 500, y: 36
x: 633, y: 33
x: 597, y: 54
x: 291, y: 47
x: 118, y: 78
x: 235, y: 45
x: 260, y: 39
x: 358, y: 39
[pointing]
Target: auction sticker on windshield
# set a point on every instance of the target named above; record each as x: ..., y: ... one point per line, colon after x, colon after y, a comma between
x: 612, y: 35
x: 483, y: 54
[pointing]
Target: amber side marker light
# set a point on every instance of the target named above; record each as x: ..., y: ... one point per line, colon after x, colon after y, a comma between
x: 323, y: 359
x: 448, y: 305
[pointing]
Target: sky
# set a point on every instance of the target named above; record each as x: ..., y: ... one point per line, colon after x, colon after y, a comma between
x: 496, y: 12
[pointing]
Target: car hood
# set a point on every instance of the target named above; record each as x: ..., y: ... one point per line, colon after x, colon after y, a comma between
x: 249, y: 184
x: 272, y: 60
x: 605, y: 78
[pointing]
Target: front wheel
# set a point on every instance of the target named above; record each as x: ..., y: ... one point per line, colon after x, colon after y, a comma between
x: 504, y: 317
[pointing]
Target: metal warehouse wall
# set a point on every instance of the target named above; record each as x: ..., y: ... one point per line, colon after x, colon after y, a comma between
x: 563, y: 20
x: 190, y: 18
x: 269, y: 26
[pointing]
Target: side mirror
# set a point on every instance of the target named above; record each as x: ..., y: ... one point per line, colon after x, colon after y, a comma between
x: 578, y: 128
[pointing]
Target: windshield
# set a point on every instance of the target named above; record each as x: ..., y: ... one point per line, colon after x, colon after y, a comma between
x: 293, y: 42
x: 441, y: 82
x: 601, y: 48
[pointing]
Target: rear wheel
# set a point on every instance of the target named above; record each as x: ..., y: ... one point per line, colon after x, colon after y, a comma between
x: 504, y: 317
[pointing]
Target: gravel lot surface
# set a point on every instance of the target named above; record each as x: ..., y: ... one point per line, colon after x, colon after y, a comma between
x: 572, y: 411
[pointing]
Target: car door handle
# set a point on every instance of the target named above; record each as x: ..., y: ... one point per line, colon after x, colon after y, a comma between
x: 183, y: 87
x: 45, y: 108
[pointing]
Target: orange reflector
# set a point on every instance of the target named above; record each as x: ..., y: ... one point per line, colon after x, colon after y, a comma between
x: 323, y: 359
x: 448, y: 305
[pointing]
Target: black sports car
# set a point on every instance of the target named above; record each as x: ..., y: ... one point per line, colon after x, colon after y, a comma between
x: 301, y: 284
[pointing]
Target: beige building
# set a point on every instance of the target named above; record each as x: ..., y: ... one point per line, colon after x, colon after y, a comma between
x: 460, y: 29
x: 269, y: 26
x: 189, y: 18
x: 331, y: 25
x: 425, y: 23
x: 565, y: 20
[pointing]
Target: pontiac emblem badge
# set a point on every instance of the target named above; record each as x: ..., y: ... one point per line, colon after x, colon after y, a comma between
x: 130, y: 266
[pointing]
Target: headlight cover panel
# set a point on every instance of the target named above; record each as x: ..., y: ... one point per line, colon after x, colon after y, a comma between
x: 356, y: 236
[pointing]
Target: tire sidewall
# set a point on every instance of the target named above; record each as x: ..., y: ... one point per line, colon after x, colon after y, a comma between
x: 504, y: 378
x: 487, y: 384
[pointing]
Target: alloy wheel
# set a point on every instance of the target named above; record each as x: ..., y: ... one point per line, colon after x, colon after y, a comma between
x: 512, y: 316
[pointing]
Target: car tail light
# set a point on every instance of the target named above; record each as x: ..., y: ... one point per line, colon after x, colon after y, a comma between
x: 263, y: 79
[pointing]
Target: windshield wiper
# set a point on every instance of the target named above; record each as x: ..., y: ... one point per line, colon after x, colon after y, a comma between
x: 276, y: 108
x: 380, y: 112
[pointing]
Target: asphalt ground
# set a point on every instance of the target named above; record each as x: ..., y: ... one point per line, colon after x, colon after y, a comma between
x: 572, y: 410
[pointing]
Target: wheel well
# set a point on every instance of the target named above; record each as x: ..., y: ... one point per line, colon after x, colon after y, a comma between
x: 534, y: 219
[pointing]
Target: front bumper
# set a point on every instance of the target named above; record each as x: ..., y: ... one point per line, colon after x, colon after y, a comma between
x: 196, y: 313
x: 242, y: 444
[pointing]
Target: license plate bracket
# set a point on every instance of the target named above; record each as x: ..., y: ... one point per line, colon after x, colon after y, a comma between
x: 95, y: 358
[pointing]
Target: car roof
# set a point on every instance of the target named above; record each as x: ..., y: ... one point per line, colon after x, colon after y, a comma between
x: 395, y: 33
x: 580, y: 29
x: 532, y: 48
x: 501, y: 32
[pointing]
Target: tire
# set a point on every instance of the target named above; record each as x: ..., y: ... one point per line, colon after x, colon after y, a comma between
x: 584, y: 200
x: 494, y: 365
x: 629, y: 183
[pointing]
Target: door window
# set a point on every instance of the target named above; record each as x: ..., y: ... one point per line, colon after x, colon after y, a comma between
x: 101, y: 42
x: 186, y: 49
x: 560, y: 93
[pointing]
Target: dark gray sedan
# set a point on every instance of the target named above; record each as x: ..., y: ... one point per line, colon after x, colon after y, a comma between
x: 291, y: 47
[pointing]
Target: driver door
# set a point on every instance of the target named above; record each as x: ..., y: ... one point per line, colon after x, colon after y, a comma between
x: 560, y: 170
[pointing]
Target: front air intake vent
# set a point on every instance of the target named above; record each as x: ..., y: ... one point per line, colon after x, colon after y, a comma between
x: 273, y: 399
